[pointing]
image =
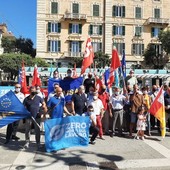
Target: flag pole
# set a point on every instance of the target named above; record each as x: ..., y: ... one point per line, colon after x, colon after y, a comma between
x: 35, y: 122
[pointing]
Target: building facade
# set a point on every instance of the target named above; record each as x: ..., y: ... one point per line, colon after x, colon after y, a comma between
x: 63, y: 27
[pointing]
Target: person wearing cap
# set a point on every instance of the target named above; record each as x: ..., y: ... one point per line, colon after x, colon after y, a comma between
x: 130, y: 80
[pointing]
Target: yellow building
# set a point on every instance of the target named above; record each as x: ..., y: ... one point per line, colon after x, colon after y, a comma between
x: 63, y: 27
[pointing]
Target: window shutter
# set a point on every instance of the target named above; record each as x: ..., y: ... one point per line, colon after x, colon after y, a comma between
x: 142, y: 48
x: 70, y: 46
x: 54, y: 7
x: 75, y: 8
x: 96, y: 10
x: 90, y: 29
x: 59, y: 27
x: 70, y: 29
x: 100, y: 29
x: 79, y: 46
x: 123, y: 11
x: 123, y: 30
x: 114, y: 30
x: 49, y: 26
x: 152, y: 32
x: 123, y: 44
x: 114, y: 11
x: 48, y: 46
x: 80, y: 28
x: 133, y: 49
x: 59, y: 46
x: 100, y: 46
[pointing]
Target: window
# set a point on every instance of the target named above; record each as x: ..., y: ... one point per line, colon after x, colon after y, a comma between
x: 118, y: 30
x: 137, y: 49
x: 54, y: 45
x: 54, y: 27
x: 155, y: 31
x: 158, y: 48
x: 75, y: 8
x: 54, y: 7
x: 138, y: 31
x: 138, y: 13
x: 97, y: 46
x: 95, y: 30
x: 75, y: 28
x: 75, y: 48
x: 96, y: 10
x: 156, y: 13
x: 118, y: 11
x: 120, y: 47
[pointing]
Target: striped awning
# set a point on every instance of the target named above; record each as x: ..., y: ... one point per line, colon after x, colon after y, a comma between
x: 150, y: 76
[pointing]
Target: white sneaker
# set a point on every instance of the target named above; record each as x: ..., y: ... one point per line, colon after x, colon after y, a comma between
x: 26, y: 146
x: 137, y: 137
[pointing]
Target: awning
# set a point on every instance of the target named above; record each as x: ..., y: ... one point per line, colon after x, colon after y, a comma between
x: 150, y: 76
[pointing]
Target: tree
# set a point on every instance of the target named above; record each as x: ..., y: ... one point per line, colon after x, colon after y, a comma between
x: 8, y: 44
x: 101, y: 59
x: 25, y: 46
x: 153, y: 60
x: 10, y: 63
x: 18, y: 45
x: 164, y: 38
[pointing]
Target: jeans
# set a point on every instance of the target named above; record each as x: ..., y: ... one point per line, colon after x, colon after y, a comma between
x: 28, y: 124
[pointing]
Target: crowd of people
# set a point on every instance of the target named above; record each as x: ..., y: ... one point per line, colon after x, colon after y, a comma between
x: 125, y: 111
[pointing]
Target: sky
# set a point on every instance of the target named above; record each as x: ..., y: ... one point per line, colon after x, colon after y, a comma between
x: 20, y: 17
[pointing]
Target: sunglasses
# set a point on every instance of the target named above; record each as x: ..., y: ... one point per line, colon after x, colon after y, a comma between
x: 91, y: 110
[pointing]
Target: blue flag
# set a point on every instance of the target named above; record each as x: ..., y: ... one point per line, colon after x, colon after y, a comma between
x: 71, y: 84
x: 123, y: 62
x: 66, y: 132
x: 106, y: 76
x: 11, y: 109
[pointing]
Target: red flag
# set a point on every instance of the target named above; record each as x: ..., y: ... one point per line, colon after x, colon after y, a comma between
x: 115, y: 63
x: 158, y: 110
x: 88, y: 56
x: 36, y: 81
x: 74, y: 72
x: 24, y: 89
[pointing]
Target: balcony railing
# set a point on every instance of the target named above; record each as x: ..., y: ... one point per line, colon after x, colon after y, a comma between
x: 73, y: 54
x: 75, y: 16
x: 157, y: 20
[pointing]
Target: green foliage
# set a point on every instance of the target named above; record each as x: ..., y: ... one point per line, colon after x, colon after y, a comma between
x: 101, y: 59
x: 152, y: 60
x: 18, y: 45
x: 10, y: 63
x: 78, y: 61
x: 164, y: 38
x: 8, y: 44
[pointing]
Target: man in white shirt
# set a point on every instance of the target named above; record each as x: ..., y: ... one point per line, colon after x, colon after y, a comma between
x: 117, y: 102
x: 99, y: 111
x: 12, y: 127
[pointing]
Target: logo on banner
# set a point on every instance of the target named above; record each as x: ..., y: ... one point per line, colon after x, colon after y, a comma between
x: 6, y: 103
x: 57, y: 132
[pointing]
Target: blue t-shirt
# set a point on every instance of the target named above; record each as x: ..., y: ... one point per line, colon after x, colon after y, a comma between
x: 58, y: 105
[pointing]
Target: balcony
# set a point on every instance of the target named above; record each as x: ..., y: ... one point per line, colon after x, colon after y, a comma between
x: 73, y: 54
x: 75, y: 16
x: 157, y: 21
